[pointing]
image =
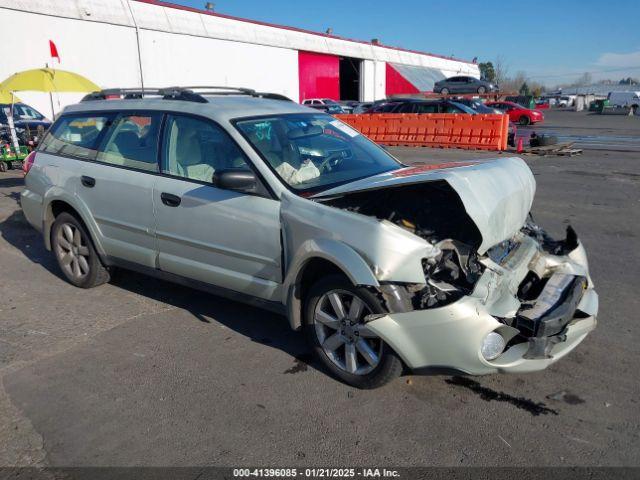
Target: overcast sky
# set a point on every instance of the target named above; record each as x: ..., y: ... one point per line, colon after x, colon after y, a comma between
x: 553, y: 41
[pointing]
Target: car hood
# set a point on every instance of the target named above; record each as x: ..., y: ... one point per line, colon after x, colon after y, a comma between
x: 497, y: 194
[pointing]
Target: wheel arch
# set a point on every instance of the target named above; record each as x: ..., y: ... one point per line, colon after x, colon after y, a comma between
x: 315, y: 259
x: 55, y: 205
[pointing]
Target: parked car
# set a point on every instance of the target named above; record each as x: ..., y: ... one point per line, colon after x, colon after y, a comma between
x: 481, y: 108
x: 381, y: 265
x: 27, y: 121
x: 385, y: 106
x: 526, y: 101
x: 348, y: 105
x: 324, y: 104
x: 625, y: 99
x: 566, y: 101
x: 464, y: 84
x: 542, y: 104
x: 362, y: 107
x: 477, y: 105
x: 517, y: 113
x: 422, y: 106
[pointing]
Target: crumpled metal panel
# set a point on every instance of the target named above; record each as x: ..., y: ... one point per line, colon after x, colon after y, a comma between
x: 497, y: 194
x: 392, y: 253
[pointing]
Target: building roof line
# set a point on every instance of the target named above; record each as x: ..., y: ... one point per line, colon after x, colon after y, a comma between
x: 161, y: 3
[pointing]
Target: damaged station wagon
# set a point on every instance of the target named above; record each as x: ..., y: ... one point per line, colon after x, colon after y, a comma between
x: 383, y: 266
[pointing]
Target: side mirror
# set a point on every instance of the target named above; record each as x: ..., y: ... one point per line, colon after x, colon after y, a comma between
x: 239, y: 180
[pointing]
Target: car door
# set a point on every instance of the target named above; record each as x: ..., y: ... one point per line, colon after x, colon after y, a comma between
x: 467, y: 85
x: 118, y: 187
x: 221, y: 237
x: 453, y: 84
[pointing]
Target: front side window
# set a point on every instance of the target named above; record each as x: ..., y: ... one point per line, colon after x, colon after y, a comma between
x: 76, y: 135
x: 133, y: 142
x: 195, y: 148
x: 314, y: 152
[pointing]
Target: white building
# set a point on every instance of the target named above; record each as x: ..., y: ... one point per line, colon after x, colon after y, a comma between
x: 127, y: 43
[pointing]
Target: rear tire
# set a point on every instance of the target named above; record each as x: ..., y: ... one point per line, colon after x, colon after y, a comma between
x: 482, y: 90
x: 444, y: 91
x: 3, y: 166
x: 524, y: 120
x: 75, y: 253
x: 339, y: 337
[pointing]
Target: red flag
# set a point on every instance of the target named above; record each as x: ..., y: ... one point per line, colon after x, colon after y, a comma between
x: 54, y: 50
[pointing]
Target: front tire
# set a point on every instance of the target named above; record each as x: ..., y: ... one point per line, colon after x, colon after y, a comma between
x: 75, y: 253
x: 444, y: 91
x: 524, y: 121
x: 482, y: 90
x: 334, y: 327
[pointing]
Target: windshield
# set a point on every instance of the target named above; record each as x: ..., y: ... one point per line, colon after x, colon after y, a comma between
x: 314, y: 152
x: 25, y: 112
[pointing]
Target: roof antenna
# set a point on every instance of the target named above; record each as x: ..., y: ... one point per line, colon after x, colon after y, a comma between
x: 210, y: 6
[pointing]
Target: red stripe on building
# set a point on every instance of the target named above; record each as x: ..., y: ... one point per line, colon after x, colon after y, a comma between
x: 397, y: 84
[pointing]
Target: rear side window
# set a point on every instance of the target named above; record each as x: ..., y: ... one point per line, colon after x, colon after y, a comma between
x: 427, y: 108
x: 133, y: 141
x: 448, y: 108
x: 405, y: 108
x: 76, y: 135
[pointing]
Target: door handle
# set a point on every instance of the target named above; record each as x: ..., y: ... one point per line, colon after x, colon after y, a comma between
x: 89, y: 182
x: 170, y: 200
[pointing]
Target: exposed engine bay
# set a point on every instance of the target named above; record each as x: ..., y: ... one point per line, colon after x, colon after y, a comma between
x: 434, y: 212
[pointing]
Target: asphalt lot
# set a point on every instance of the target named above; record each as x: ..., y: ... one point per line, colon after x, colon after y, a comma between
x: 142, y: 372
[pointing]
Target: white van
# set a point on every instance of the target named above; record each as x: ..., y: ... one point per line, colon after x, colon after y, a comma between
x: 625, y: 99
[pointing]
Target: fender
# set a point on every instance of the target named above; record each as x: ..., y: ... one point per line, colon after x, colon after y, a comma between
x: 56, y: 193
x: 334, y: 251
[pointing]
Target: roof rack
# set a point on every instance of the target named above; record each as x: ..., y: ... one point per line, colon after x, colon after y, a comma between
x: 187, y: 94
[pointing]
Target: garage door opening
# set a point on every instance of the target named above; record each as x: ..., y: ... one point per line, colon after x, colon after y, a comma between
x: 350, y: 78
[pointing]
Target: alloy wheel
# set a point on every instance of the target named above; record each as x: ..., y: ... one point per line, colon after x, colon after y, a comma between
x: 344, y: 337
x: 72, y: 251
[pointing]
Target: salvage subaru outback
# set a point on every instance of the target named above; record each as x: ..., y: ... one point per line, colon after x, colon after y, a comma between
x: 245, y: 194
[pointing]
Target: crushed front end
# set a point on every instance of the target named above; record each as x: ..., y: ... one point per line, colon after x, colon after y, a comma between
x: 521, y: 306
x: 494, y: 292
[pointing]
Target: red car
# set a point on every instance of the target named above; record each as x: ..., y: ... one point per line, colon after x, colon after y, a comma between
x: 517, y: 113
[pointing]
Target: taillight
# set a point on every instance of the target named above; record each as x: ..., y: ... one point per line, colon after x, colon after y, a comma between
x: 28, y: 162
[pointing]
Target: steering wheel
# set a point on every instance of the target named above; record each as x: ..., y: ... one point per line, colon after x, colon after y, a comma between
x: 327, y: 162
